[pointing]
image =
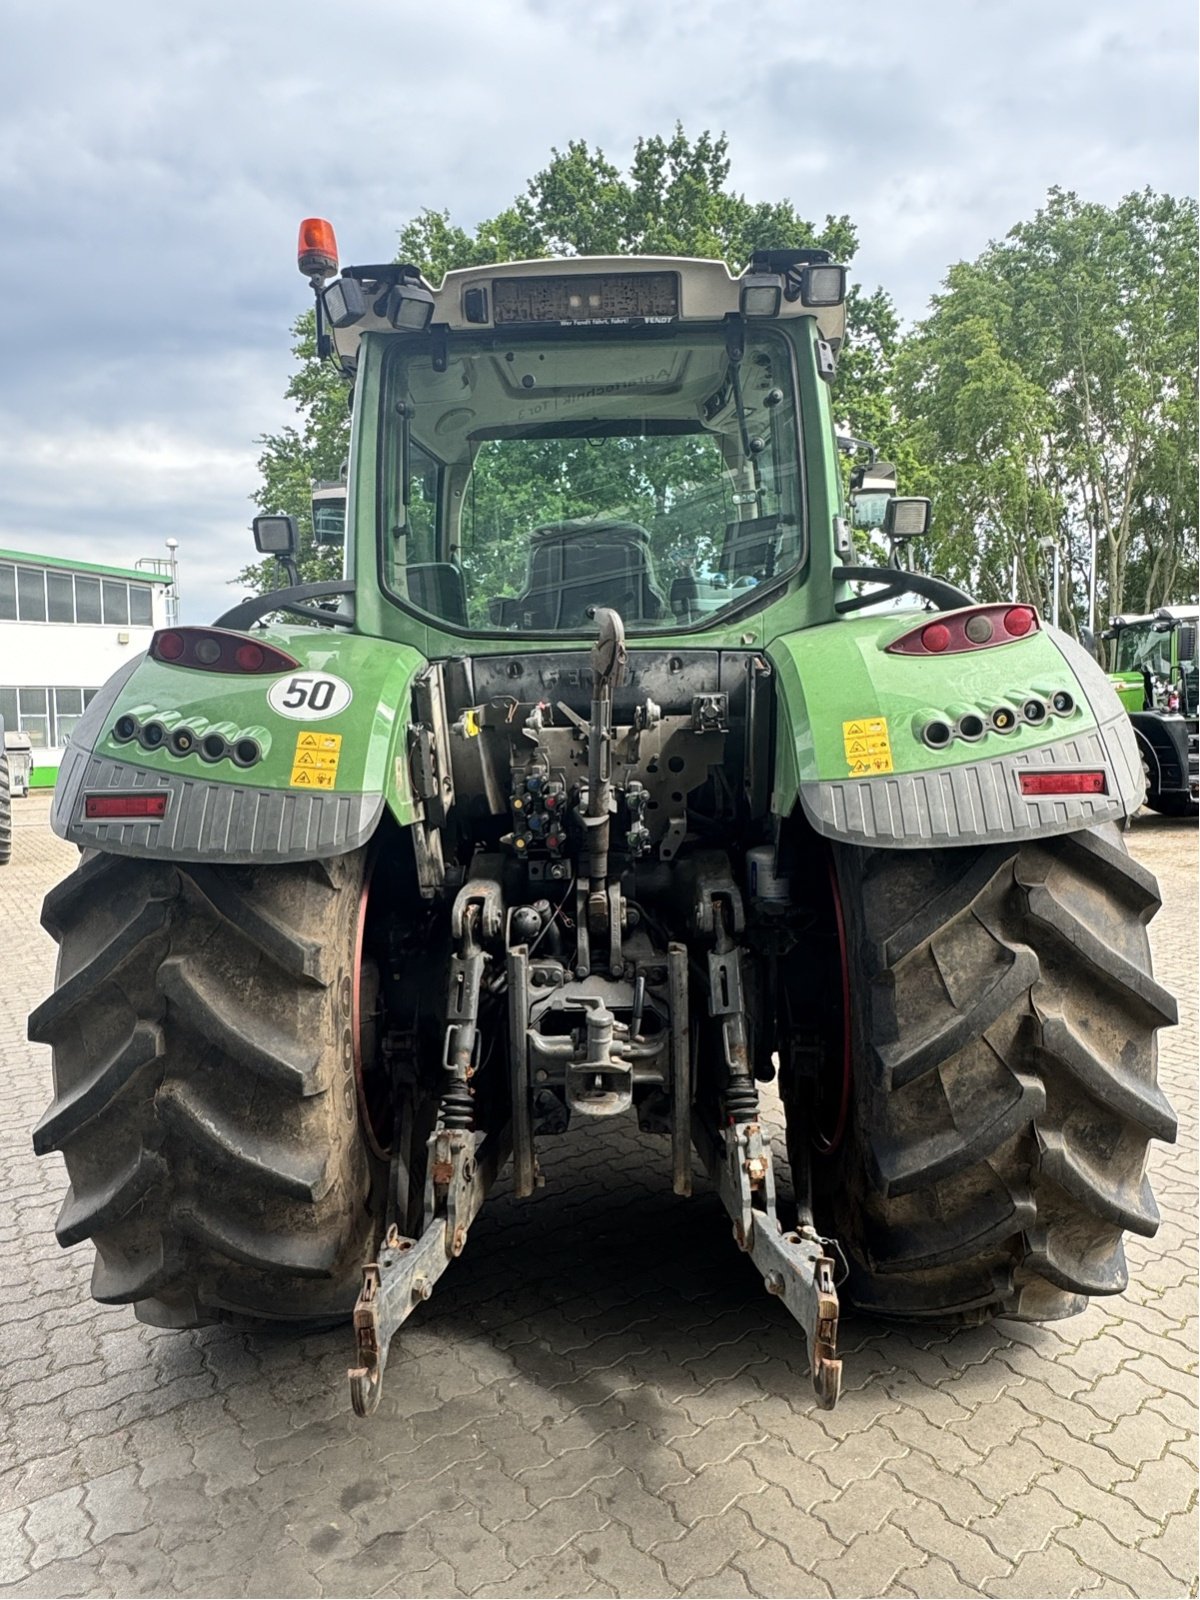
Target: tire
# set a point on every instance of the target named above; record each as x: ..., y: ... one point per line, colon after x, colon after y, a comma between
x: 204, y: 1087
x: 1174, y: 805
x: 5, y: 813
x: 1005, y: 1085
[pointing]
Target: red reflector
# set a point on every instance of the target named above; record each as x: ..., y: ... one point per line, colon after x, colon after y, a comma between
x: 980, y: 628
x: 1052, y: 782
x: 218, y: 650
x: 125, y: 805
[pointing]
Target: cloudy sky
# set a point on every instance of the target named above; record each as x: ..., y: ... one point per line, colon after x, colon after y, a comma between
x: 155, y: 161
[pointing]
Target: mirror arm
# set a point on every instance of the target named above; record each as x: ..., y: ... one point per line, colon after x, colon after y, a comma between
x: 292, y: 599
x: 896, y: 581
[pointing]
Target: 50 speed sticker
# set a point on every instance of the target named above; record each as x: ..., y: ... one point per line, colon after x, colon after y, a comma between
x: 309, y: 696
x: 315, y: 762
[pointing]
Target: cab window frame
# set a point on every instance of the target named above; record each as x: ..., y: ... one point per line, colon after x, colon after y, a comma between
x: 389, y: 464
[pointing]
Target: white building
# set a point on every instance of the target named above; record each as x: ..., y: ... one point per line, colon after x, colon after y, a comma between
x: 65, y: 627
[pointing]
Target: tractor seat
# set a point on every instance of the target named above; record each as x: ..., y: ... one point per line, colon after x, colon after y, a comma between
x: 579, y: 564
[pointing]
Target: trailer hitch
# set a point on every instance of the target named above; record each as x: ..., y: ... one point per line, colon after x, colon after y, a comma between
x: 407, y: 1269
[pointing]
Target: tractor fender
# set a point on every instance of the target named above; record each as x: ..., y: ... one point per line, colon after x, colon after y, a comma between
x: 852, y: 753
x: 329, y: 739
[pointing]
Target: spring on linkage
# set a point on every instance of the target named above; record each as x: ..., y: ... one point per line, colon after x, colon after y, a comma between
x: 457, y: 1108
x: 741, y: 1100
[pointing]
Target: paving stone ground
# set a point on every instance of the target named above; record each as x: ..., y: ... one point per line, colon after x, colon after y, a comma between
x: 599, y: 1399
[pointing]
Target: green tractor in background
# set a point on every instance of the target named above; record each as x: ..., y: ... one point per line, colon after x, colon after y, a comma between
x: 604, y: 784
x: 1154, y: 672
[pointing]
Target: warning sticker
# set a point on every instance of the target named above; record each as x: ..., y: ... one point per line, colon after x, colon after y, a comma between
x: 315, y: 763
x: 868, y: 749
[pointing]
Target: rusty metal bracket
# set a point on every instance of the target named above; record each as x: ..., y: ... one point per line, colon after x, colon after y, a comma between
x: 796, y: 1266
x: 407, y: 1269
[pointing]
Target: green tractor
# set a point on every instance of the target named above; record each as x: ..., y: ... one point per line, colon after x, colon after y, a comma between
x: 1154, y: 673
x: 604, y: 784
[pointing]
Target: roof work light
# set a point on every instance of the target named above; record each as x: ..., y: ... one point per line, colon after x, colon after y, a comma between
x: 822, y: 285
x: 761, y: 294
x: 345, y: 303
x: 410, y: 307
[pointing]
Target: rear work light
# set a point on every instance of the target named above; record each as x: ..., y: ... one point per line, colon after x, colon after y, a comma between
x: 149, y: 807
x: 1041, y: 783
x: 977, y: 629
x: 218, y: 650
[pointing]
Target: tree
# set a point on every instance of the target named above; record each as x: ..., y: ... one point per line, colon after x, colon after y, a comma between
x: 295, y: 458
x: 673, y: 201
x: 1051, y: 394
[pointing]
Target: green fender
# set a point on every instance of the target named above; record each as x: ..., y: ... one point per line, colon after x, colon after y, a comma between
x: 850, y: 752
x: 321, y: 780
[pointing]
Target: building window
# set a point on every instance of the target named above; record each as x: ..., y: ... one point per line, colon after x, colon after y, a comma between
x: 68, y: 708
x: 48, y: 716
x: 33, y: 716
x: 31, y: 594
x: 60, y: 597
x: 116, y: 603
x: 87, y: 599
x: 37, y: 594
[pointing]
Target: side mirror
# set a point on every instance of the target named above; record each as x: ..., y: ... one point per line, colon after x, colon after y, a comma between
x: 872, y: 486
x: 276, y: 536
x: 908, y: 516
x: 868, y: 508
x: 1088, y: 640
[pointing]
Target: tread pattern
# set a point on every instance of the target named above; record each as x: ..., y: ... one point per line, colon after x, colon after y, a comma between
x: 204, y: 1096
x: 1005, y: 1088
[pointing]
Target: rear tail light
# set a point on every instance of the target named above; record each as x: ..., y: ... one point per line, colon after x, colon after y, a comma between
x: 218, y: 650
x: 150, y: 807
x: 1042, y: 783
x: 977, y: 629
